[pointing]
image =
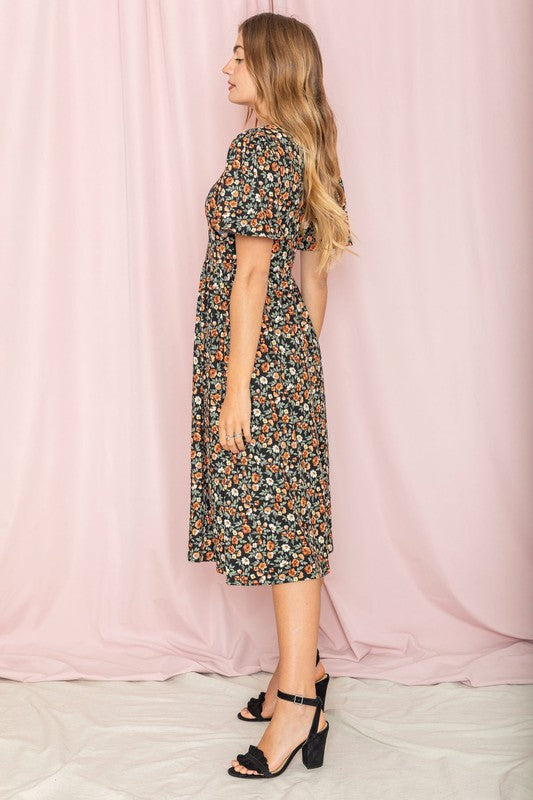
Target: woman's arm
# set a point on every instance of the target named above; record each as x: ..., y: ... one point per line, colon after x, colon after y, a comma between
x: 246, y: 306
x: 247, y: 302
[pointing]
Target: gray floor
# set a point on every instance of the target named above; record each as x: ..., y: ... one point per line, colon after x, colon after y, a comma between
x: 144, y: 740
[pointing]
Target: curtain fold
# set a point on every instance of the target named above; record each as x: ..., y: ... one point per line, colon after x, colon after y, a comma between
x: 116, y: 123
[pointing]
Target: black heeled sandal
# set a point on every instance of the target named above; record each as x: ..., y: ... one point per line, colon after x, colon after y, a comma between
x: 255, y: 704
x: 312, y: 747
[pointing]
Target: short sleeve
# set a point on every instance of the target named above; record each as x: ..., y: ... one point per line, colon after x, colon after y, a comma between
x: 307, y: 240
x: 254, y: 192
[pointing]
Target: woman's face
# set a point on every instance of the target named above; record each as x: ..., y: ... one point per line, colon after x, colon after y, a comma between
x: 242, y: 90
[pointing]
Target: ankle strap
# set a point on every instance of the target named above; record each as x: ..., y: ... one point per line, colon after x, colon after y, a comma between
x: 300, y: 699
x: 308, y: 701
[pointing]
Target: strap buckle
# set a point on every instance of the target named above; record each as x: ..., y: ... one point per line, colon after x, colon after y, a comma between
x: 298, y: 698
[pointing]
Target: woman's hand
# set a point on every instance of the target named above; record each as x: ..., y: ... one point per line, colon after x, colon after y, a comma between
x: 235, y: 418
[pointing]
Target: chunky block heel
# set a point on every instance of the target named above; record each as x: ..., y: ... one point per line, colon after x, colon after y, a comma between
x: 312, y: 747
x: 321, y: 687
x: 255, y: 704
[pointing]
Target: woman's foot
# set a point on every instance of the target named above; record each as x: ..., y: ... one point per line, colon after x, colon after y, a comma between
x: 288, y: 727
x: 271, y: 693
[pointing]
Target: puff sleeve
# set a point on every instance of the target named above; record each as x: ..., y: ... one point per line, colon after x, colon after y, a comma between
x: 307, y: 240
x: 254, y: 194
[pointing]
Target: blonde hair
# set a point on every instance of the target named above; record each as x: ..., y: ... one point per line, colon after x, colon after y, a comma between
x: 283, y: 58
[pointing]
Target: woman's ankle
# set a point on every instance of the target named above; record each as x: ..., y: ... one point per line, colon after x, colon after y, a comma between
x: 299, y: 688
x: 320, y: 671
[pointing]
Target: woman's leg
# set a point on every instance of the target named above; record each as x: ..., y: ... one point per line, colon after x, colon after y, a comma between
x: 297, y: 608
x: 272, y: 689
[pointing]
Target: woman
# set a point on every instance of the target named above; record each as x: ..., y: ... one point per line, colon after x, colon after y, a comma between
x: 260, y: 494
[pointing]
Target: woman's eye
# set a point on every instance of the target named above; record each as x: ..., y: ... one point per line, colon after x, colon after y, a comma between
x: 238, y: 60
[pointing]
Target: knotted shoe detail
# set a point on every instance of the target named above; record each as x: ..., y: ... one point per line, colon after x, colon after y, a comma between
x: 255, y: 706
x: 254, y: 759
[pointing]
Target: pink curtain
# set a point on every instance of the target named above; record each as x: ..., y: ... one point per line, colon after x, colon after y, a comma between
x: 115, y: 123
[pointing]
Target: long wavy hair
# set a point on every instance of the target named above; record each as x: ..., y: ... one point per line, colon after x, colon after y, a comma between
x: 283, y: 58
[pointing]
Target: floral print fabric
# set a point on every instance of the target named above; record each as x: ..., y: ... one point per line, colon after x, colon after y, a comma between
x: 263, y: 516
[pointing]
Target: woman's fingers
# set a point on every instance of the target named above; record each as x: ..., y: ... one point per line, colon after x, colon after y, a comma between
x: 228, y: 443
x: 234, y: 422
x: 236, y: 444
x: 239, y: 441
x: 231, y: 445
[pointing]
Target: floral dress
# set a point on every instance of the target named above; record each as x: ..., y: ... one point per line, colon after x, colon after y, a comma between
x: 263, y: 515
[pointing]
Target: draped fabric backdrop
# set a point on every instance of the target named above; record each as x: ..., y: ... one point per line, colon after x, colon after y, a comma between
x: 115, y: 123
